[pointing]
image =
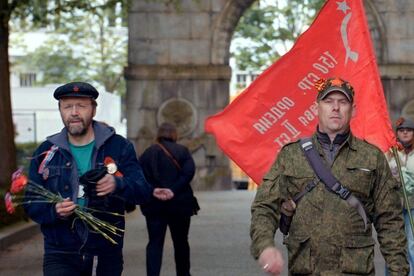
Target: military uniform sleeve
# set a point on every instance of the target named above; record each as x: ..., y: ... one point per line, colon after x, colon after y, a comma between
x: 388, y: 219
x: 265, y: 208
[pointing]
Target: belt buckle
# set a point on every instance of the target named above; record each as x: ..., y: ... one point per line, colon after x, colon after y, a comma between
x: 343, y: 192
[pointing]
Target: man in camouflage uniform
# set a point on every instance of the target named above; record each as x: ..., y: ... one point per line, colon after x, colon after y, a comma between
x: 327, y: 236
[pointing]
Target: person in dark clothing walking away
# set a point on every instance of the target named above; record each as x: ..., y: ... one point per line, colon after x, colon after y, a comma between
x: 61, y: 164
x: 169, y: 167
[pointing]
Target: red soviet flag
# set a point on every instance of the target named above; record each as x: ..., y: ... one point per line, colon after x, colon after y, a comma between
x: 279, y: 106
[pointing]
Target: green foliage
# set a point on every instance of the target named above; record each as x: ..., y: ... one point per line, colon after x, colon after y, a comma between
x: 104, y: 48
x: 87, y: 41
x: 267, y: 31
x: 51, y: 13
x: 55, y: 59
x: 24, y: 153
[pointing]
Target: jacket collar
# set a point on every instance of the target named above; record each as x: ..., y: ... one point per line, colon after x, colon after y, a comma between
x: 346, y: 138
x: 102, y: 133
x: 352, y: 141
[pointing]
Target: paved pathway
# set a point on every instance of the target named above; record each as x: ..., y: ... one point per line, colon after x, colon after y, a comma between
x: 219, y: 241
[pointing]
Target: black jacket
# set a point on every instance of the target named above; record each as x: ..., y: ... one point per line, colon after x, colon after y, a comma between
x: 160, y: 171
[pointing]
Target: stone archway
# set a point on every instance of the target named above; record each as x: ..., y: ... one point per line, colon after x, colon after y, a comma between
x: 397, y: 62
x: 180, y: 57
x: 179, y: 63
x: 224, y: 27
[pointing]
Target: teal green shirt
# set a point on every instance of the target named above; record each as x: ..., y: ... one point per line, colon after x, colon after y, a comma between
x: 83, y: 158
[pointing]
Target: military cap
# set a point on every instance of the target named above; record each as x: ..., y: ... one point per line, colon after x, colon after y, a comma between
x: 325, y: 87
x: 404, y: 123
x: 76, y: 89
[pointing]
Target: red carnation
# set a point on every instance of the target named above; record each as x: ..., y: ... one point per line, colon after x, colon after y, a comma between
x: 19, y: 181
x: 8, y: 200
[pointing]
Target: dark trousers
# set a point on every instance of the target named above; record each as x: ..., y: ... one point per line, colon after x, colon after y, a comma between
x: 63, y: 264
x: 157, y: 227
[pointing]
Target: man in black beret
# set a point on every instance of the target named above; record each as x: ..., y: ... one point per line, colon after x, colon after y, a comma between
x: 61, y: 164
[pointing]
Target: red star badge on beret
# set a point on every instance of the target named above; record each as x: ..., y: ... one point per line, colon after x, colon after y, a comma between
x: 75, y: 89
x: 337, y: 82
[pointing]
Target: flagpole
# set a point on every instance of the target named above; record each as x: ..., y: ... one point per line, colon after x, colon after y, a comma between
x: 407, y: 205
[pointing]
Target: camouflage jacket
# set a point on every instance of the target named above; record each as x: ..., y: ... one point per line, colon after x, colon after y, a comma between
x: 327, y: 236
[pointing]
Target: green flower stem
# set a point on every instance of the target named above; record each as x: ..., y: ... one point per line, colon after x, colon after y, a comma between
x: 101, y: 211
x: 43, y: 195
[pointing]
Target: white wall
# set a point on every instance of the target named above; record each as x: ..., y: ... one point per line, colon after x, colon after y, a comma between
x: 36, y: 114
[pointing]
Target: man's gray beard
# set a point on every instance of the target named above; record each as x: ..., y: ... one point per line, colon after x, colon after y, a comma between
x: 77, y: 131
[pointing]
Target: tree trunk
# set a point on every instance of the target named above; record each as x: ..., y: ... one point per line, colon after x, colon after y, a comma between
x: 7, y: 146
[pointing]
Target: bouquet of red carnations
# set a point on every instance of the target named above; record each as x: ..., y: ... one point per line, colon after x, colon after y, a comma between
x: 39, y: 194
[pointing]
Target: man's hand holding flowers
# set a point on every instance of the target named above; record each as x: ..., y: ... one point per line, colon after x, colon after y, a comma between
x: 65, y: 208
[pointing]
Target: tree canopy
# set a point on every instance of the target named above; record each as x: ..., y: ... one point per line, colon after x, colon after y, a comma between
x: 268, y: 29
x: 88, y: 43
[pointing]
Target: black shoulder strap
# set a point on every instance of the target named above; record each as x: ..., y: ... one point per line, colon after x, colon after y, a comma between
x: 169, y: 155
x: 330, y: 181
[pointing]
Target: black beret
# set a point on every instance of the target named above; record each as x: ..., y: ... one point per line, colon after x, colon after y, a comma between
x: 76, y: 89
